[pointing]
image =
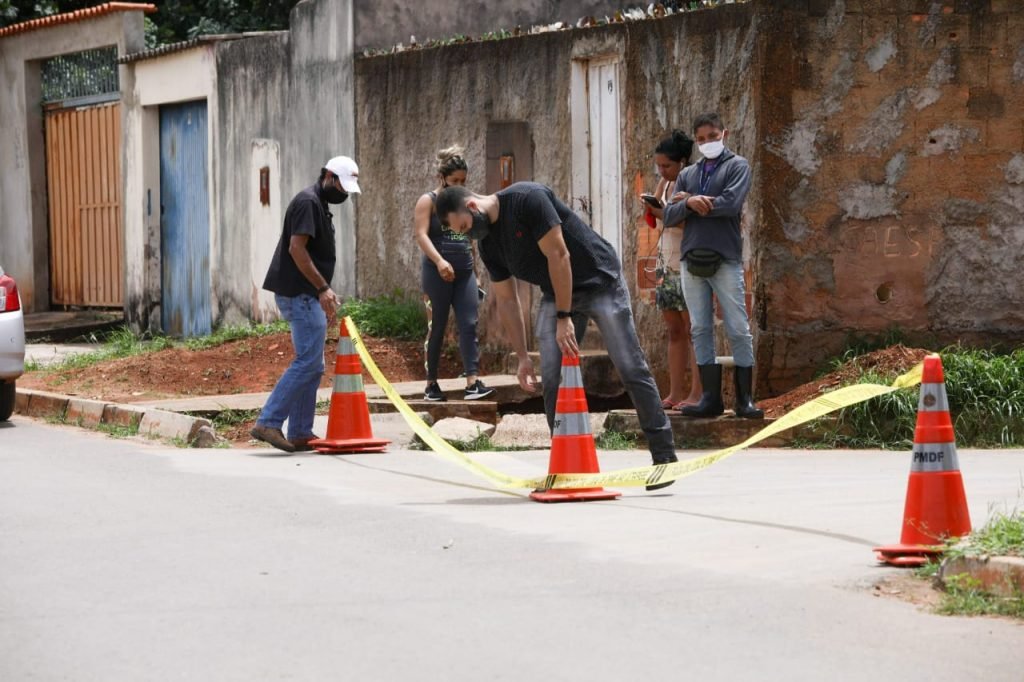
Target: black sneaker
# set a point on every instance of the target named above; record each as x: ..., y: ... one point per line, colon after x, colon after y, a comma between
x: 478, y: 391
x: 434, y: 393
x: 662, y: 459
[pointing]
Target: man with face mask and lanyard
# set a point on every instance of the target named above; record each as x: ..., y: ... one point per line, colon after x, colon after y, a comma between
x: 526, y: 232
x: 709, y: 197
x: 300, y: 277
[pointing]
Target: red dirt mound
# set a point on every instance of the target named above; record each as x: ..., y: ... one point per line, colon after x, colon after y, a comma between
x: 893, y: 360
x: 247, y: 366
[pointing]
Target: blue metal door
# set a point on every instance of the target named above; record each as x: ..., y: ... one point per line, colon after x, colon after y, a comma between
x: 184, y: 220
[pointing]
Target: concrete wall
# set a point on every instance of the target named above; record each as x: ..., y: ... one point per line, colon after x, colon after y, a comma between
x: 24, y: 232
x: 282, y: 100
x: 390, y: 22
x: 177, y: 77
x: 671, y: 70
x: 252, y: 76
x: 893, y: 178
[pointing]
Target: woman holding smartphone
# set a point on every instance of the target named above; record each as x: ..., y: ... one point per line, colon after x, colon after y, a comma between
x: 670, y: 156
x: 448, y: 281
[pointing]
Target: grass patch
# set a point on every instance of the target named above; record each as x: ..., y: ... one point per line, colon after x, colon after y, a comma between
x: 483, y: 443
x: 964, y: 597
x: 1002, y: 535
x: 616, y: 440
x: 986, y: 401
x: 118, y: 431
x: 227, y: 419
x: 393, y: 316
x: 123, y: 343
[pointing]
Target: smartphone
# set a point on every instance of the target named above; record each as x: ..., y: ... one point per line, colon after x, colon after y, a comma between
x: 652, y: 200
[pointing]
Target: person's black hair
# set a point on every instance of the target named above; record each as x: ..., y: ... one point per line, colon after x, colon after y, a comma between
x: 323, y: 174
x: 678, y: 147
x: 450, y: 200
x: 450, y: 160
x: 708, y: 119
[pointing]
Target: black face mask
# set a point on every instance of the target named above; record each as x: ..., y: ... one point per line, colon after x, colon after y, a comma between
x: 333, y: 195
x: 481, y: 226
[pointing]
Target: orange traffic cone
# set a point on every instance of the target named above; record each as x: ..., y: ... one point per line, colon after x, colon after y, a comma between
x: 348, y: 424
x: 936, y: 507
x: 572, y: 443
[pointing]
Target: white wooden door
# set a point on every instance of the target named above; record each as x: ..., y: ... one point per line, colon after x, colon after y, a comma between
x: 597, y: 160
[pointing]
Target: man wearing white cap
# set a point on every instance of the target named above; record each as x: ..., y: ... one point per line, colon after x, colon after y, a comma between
x: 300, y: 277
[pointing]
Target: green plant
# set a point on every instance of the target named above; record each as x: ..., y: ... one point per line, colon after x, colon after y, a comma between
x: 393, y: 316
x: 118, y: 430
x: 965, y: 597
x: 226, y: 419
x: 615, y: 440
x: 1002, y: 535
x: 986, y: 400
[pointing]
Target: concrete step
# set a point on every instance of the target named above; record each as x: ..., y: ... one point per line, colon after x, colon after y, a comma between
x: 478, y: 410
x: 56, y: 326
x: 600, y: 378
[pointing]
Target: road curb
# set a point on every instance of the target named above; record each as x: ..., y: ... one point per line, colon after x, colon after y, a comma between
x: 149, y: 422
x: 1002, y: 576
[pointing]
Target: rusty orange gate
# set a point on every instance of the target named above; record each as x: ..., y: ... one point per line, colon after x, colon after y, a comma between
x: 83, y: 173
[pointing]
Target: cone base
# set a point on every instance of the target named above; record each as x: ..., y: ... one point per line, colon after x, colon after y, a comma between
x: 909, y: 556
x: 349, y: 445
x: 574, y: 495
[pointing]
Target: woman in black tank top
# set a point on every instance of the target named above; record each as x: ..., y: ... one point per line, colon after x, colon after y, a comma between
x: 448, y: 281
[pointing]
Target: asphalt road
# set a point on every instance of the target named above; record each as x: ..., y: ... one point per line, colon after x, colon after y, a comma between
x: 124, y: 560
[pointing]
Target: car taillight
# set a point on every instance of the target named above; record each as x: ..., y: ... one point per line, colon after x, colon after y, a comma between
x: 8, y: 295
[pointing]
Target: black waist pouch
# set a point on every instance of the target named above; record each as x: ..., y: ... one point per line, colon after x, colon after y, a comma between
x: 702, y: 262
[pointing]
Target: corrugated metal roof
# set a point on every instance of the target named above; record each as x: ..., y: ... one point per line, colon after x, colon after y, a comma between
x: 187, y: 44
x: 80, y: 15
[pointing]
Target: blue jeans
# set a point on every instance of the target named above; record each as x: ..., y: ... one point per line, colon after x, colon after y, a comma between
x: 611, y: 310
x: 727, y: 285
x: 294, y: 396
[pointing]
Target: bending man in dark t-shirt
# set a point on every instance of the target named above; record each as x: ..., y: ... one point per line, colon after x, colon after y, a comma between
x: 525, y: 232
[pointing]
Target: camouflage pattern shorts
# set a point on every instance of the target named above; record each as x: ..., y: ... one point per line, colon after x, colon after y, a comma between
x: 668, y: 295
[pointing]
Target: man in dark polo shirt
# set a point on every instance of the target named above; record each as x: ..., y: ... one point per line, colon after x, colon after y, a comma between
x: 526, y: 232
x: 300, y: 277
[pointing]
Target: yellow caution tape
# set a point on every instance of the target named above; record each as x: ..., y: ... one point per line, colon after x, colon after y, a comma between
x: 647, y: 475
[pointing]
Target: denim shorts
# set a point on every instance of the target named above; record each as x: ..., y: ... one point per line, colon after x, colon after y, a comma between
x: 668, y: 295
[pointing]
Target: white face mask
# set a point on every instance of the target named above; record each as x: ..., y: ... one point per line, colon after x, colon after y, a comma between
x: 712, y: 150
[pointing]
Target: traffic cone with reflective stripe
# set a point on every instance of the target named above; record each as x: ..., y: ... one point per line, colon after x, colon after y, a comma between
x: 936, y: 506
x: 572, y: 442
x: 348, y: 423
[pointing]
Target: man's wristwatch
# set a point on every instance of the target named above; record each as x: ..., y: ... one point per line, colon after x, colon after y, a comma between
x: 562, y: 314
x: 321, y: 290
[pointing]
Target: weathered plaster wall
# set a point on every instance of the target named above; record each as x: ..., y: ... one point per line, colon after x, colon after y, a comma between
x: 178, y: 77
x: 282, y: 100
x: 893, y: 178
x: 252, y: 77
x: 389, y: 22
x: 413, y: 103
x: 24, y: 232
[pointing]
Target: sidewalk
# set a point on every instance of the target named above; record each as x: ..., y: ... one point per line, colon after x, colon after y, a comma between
x: 506, y: 390
x: 46, y: 354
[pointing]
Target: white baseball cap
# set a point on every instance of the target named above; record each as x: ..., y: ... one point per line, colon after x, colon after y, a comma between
x: 347, y: 172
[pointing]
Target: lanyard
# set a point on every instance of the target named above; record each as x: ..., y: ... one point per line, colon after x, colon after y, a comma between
x: 705, y: 180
